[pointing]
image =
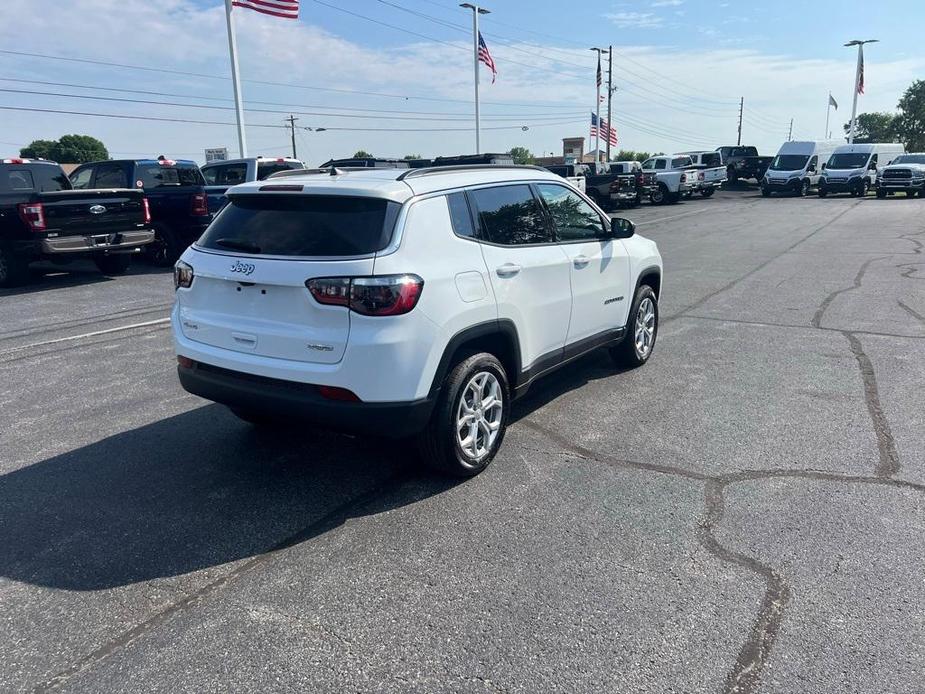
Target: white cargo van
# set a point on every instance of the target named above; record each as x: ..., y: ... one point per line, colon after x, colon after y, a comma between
x: 797, y: 167
x: 853, y: 168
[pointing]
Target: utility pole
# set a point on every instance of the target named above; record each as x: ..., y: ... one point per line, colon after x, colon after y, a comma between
x: 741, y: 108
x: 291, y: 120
x: 790, y: 134
x: 858, y: 83
x: 476, y: 11
x: 609, y: 96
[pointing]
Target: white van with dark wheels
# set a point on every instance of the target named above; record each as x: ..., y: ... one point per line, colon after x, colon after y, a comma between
x: 408, y: 302
x: 853, y: 168
x: 797, y: 168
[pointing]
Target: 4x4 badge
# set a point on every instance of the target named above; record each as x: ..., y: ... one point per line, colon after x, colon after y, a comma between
x: 243, y: 268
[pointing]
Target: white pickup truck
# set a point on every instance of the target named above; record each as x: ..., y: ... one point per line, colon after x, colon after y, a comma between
x: 711, y: 172
x: 573, y: 173
x: 675, y: 176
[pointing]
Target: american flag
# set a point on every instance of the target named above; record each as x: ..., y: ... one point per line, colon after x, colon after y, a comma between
x: 860, y: 84
x: 608, y: 133
x: 599, y: 78
x: 485, y: 57
x: 287, y: 9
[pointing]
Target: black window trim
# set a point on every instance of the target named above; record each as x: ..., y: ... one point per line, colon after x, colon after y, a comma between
x: 562, y: 242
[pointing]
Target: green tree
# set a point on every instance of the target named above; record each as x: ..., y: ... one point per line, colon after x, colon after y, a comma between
x: 70, y: 149
x: 910, y: 123
x: 39, y: 149
x: 412, y: 157
x: 521, y: 155
x: 873, y: 127
x: 363, y: 154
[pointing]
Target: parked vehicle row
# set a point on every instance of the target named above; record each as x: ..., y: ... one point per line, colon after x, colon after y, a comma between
x: 43, y: 217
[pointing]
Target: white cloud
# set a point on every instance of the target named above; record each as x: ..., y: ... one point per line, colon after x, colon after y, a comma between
x: 638, y: 20
x: 667, y: 3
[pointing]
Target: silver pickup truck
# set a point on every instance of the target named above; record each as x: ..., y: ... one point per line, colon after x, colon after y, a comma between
x: 711, y: 172
x: 675, y: 176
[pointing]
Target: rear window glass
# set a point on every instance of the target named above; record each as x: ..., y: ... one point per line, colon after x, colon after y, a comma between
x: 154, y: 175
x: 711, y: 159
x: 302, y: 225
x: 19, y: 180
x: 265, y: 169
x: 459, y: 214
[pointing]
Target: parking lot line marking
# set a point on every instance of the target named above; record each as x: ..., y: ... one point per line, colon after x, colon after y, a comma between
x: 677, y: 216
x: 146, y: 324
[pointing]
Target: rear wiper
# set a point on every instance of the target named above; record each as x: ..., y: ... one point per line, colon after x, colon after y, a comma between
x: 238, y: 245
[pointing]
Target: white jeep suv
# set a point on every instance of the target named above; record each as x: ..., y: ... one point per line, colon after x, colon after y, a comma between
x: 407, y: 302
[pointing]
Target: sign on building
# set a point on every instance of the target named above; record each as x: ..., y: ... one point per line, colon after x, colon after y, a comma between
x: 216, y: 154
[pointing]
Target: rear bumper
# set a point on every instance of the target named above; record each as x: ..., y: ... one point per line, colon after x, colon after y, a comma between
x: 710, y: 185
x: 291, y: 400
x: 623, y: 195
x: 122, y: 242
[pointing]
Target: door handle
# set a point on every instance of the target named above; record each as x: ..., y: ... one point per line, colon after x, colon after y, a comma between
x: 508, y: 270
x: 581, y: 261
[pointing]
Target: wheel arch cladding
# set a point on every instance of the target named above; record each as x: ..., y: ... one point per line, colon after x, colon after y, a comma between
x: 498, y: 337
x: 651, y: 276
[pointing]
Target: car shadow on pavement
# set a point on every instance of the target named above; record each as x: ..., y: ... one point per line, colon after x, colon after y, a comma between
x: 47, y: 276
x: 189, y: 492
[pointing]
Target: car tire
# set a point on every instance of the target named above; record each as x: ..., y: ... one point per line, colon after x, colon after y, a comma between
x: 910, y: 194
x: 461, y: 408
x: 642, y: 331
x: 765, y: 193
x: 115, y: 264
x: 804, y: 188
x: 659, y: 196
x: 732, y: 176
x: 165, y: 249
x: 864, y: 189
x: 822, y: 192
x: 14, y: 269
x: 708, y: 193
x: 881, y: 193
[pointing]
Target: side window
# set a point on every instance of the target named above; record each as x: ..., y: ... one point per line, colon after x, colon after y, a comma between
x: 648, y: 164
x: 233, y: 174
x: 873, y: 161
x: 574, y: 219
x: 109, y: 176
x: 460, y: 215
x: 510, y: 215
x: 81, y: 177
x: 661, y: 163
x: 211, y: 174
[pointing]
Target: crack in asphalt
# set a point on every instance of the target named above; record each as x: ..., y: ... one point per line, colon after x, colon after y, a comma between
x: 745, y: 674
x: 816, y: 322
x: 762, y: 324
x: 704, y: 299
x: 889, y: 457
x: 329, y: 521
x: 911, y: 311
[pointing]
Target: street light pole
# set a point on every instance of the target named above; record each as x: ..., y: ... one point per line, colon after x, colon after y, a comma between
x: 597, y: 109
x: 476, y: 11
x: 858, y: 71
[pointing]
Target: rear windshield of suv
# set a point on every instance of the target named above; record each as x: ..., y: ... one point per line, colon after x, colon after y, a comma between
x: 302, y: 225
x: 155, y: 175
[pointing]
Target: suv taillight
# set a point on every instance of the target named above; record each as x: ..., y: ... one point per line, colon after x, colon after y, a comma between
x: 183, y: 275
x: 199, y: 205
x: 386, y: 295
x: 147, y: 208
x: 33, y: 214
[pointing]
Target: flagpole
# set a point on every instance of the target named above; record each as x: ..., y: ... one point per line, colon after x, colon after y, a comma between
x: 476, y: 11
x: 828, y: 109
x: 854, y: 104
x: 236, y: 80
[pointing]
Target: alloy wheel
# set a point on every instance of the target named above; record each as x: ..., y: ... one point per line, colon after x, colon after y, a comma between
x: 479, y: 415
x: 645, y: 327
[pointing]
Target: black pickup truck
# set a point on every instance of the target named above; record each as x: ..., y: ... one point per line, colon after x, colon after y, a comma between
x: 610, y: 188
x: 175, y: 190
x: 743, y: 162
x: 43, y: 218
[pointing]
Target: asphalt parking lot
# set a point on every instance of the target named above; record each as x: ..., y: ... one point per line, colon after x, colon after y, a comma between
x: 743, y: 514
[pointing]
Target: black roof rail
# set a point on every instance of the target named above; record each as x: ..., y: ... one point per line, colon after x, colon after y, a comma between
x: 430, y: 170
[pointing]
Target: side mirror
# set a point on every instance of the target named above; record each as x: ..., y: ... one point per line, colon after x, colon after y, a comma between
x: 811, y: 169
x: 621, y: 228
x: 823, y: 166
x: 872, y: 166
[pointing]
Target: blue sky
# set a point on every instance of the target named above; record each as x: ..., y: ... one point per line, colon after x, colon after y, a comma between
x: 680, y: 67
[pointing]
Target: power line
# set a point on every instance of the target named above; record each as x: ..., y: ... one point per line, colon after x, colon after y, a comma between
x: 264, y: 125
